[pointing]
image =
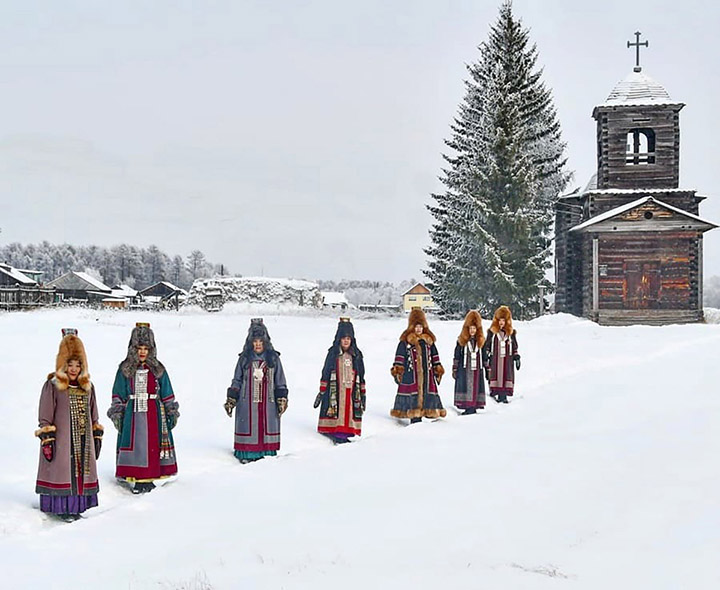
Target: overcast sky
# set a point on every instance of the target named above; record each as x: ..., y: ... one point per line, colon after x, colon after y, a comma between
x: 300, y: 138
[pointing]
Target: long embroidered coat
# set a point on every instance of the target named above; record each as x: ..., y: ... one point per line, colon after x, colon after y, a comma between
x: 417, y: 360
x: 342, y: 384
x: 257, y: 383
x: 468, y: 363
x: 145, y: 446
x: 500, y: 349
x: 73, y: 470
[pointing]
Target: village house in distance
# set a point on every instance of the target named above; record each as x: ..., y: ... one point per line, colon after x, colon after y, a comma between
x: 628, y: 247
x: 418, y: 296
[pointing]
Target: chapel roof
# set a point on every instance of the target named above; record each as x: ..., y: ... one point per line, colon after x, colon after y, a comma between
x: 637, y: 88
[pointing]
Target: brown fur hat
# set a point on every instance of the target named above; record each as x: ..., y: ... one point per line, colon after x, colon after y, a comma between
x: 71, y: 348
x: 472, y: 318
x: 417, y: 316
x: 502, y: 312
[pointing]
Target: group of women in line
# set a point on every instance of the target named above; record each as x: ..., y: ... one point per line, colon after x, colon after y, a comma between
x: 144, y: 410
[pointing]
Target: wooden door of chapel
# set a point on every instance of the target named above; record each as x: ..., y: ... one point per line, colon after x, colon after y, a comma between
x: 643, y: 285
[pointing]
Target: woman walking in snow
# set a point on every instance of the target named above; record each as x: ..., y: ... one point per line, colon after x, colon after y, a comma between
x: 70, y: 435
x: 144, y: 411
x: 342, y: 387
x: 258, y: 393
x: 468, y: 363
x: 417, y: 371
x: 501, y: 350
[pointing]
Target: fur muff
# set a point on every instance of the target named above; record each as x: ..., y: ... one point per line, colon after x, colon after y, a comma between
x: 397, y: 371
x: 502, y: 312
x: 417, y: 316
x: 71, y: 348
x: 472, y: 318
x: 141, y: 335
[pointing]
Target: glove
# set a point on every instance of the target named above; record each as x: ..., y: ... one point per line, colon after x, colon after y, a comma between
x: 516, y: 358
x: 281, y: 405
x: 439, y: 372
x: 229, y: 405
x: 363, y: 403
x: 98, y: 432
x: 48, y: 449
x: 454, y: 373
x: 46, y: 434
x: 318, y: 400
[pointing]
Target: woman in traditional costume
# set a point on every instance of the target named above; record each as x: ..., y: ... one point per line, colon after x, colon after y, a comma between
x: 468, y: 364
x: 144, y: 411
x: 258, y: 393
x: 70, y: 435
x: 501, y: 351
x: 342, y: 387
x: 417, y: 371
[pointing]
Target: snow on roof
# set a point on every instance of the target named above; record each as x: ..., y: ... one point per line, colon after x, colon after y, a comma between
x: 416, y: 288
x: 638, y: 89
x: 628, y: 206
x: 16, y: 275
x: 638, y: 191
x: 293, y: 283
x: 174, y: 287
x: 333, y: 297
x: 98, y: 284
x: 123, y: 291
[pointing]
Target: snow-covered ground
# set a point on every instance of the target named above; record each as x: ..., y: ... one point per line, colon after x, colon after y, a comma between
x: 601, y: 473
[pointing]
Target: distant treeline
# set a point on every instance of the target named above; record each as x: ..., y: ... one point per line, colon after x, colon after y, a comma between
x: 137, y: 267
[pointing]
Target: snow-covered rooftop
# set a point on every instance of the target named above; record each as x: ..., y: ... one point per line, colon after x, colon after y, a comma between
x: 334, y: 298
x: 628, y: 206
x: 98, y: 284
x: 16, y: 275
x: 638, y: 89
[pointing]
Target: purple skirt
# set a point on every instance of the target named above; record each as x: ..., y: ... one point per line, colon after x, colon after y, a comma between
x: 67, y: 504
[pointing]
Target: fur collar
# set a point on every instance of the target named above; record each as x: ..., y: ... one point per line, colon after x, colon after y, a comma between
x: 414, y: 339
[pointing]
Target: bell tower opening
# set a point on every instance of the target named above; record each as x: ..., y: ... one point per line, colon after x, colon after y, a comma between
x: 640, y: 147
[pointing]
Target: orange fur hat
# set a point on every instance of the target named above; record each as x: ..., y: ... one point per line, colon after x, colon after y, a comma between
x: 472, y: 318
x: 502, y: 312
x: 71, y: 348
x: 417, y: 316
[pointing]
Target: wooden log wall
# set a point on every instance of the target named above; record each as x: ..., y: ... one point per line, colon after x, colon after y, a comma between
x: 672, y: 254
x: 601, y: 202
x: 568, y: 295
x: 613, y: 126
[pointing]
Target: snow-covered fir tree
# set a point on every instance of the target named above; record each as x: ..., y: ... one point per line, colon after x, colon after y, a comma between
x: 490, y: 235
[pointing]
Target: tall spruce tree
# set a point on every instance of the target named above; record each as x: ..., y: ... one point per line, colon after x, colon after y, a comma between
x: 490, y: 238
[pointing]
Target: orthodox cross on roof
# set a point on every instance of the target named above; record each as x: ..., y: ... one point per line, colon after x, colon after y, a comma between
x: 637, y: 46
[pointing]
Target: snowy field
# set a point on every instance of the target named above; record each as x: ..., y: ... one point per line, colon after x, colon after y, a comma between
x: 603, y: 472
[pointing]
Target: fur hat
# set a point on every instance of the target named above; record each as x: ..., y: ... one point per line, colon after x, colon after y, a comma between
x: 417, y: 316
x: 258, y: 331
x: 472, y: 318
x: 141, y: 335
x: 345, y: 328
x: 71, y: 348
x: 502, y: 312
